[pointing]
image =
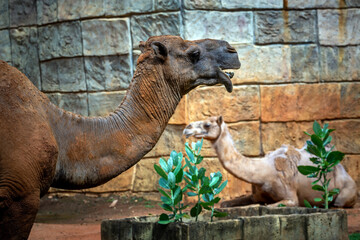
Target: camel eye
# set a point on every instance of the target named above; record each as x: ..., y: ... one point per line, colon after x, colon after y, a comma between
x: 194, y: 55
x: 207, y: 125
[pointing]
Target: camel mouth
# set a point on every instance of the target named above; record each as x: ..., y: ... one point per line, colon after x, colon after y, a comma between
x: 191, y: 133
x: 225, y: 78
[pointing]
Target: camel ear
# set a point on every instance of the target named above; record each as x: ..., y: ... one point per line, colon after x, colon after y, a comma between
x: 159, y: 49
x: 142, y: 46
x: 220, y: 120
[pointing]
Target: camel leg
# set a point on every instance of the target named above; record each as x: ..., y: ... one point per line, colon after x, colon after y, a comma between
x: 346, y: 198
x: 239, y: 201
x: 286, y: 202
x: 17, y: 219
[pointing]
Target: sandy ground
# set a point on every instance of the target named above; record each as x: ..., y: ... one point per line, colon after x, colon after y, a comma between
x: 80, y: 217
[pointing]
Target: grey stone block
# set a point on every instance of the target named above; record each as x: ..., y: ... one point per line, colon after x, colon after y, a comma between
x: 122, y: 7
x: 304, y: 63
x: 103, y: 103
x: 313, y: 4
x: 227, y: 229
x: 230, y: 26
x: 4, y: 14
x: 352, y: 3
x: 65, y: 75
x: 336, y: 226
x: 340, y: 63
x: 108, y: 73
x: 22, y: 12
x: 24, y: 50
x: 231, y: 4
x: 285, y: 26
x: 145, y: 26
x: 293, y: 227
x: 135, y: 56
x: 60, y: 40
x: 47, y: 11
x: 339, y: 27
x: 73, y: 102
x: 106, y: 36
x: 263, y: 227
x: 70, y: 9
x: 202, y: 4
x: 5, y: 46
x: 163, y: 5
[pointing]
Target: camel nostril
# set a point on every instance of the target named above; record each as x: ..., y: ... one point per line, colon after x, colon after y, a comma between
x: 231, y: 49
x: 188, y: 127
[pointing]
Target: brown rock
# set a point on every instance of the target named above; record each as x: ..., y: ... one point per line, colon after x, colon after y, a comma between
x: 351, y: 164
x: 346, y: 138
x: 350, y: 100
x: 180, y: 115
x: 146, y: 179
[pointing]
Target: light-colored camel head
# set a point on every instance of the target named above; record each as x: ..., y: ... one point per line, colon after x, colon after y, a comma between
x: 209, y: 129
x: 188, y: 64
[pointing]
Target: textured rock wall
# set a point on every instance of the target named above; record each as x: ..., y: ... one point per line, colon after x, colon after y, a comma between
x: 300, y: 63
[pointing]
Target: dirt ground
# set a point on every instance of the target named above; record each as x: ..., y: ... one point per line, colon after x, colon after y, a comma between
x: 80, y: 217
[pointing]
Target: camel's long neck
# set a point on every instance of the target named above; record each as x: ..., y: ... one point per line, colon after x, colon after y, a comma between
x: 233, y: 161
x: 94, y: 150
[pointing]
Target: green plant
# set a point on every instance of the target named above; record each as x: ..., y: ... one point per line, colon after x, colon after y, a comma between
x: 172, y: 173
x: 324, y: 161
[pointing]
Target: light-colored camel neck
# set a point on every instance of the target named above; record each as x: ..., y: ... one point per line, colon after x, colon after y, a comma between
x: 234, y: 162
x: 95, y: 150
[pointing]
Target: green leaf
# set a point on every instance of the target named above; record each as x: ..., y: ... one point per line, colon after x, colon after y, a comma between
x: 191, y: 194
x: 174, y: 157
x: 281, y: 205
x: 327, y: 140
x: 160, y: 171
x: 205, y: 189
x: 179, y: 176
x: 177, y: 169
x: 214, y: 181
x: 313, y: 150
x: 306, y: 169
x: 166, y: 207
x: 196, y: 210
x: 317, y: 141
x: 208, y: 197
x: 216, y: 200
x: 183, y: 207
x: 170, y: 163
x: 190, y: 153
x: 177, y: 192
x: 164, y: 165
x: 201, y: 173
x: 220, y: 214
x: 334, y: 191
x: 171, y: 180
x: 222, y: 186
x: 166, y: 221
x: 199, y: 159
x: 307, y: 204
x: 318, y: 188
x: 315, y: 160
x: 317, y: 199
x: 166, y: 200
x: 307, y: 133
x: 164, y: 193
x: 199, y: 145
x: 164, y: 183
x: 335, y: 156
x: 317, y: 129
x: 164, y: 217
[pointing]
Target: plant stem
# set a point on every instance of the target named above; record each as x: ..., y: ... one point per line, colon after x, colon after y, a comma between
x: 326, y: 193
x: 212, y: 213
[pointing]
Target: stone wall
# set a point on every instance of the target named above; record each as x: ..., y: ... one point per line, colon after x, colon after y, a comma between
x: 300, y: 63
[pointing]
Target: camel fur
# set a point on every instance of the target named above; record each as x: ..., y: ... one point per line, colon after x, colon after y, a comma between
x: 43, y: 145
x: 275, y: 179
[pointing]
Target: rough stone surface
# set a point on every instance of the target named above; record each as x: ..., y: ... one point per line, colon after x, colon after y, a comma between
x: 97, y: 40
x: 334, y: 222
x: 350, y: 100
x: 340, y: 63
x: 263, y: 64
x: 351, y: 164
x: 352, y: 3
x: 274, y: 135
x: 60, y: 40
x: 5, y: 49
x: 145, y: 26
x: 264, y: 227
x: 167, y: 5
x: 202, y: 4
x: 102, y: 103
x: 313, y: 4
x: 47, y: 11
x: 346, y: 138
x: 4, y: 14
x: 122, y: 7
x: 69, y: 10
x: 304, y: 63
x: 22, y: 12
x: 242, y: 104
x: 229, y: 26
x: 108, y: 73
x: 285, y: 26
x: 231, y: 4
x: 293, y: 226
x: 339, y: 27
x: 73, y: 102
x: 180, y: 115
x: 24, y: 49
x: 300, y: 102
x: 146, y: 179
x: 65, y: 75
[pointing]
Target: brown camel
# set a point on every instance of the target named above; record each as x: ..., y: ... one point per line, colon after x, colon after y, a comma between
x: 274, y: 178
x: 43, y: 145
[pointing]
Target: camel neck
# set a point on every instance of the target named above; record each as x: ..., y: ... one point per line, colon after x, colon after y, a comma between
x: 95, y: 150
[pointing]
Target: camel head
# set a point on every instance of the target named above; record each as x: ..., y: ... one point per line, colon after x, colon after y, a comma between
x: 188, y: 64
x: 209, y: 129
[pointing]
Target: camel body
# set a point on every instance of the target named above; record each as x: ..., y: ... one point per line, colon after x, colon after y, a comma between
x: 42, y: 145
x: 275, y: 179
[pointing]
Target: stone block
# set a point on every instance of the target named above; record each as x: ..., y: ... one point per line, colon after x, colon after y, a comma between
x: 340, y: 63
x: 346, y: 138
x: 227, y: 229
x: 339, y: 27
x: 242, y: 104
x: 334, y: 222
x: 293, y: 226
x: 65, y: 75
x: 69, y: 10
x: 274, y: 135
x: 5, y: 46
x: 313, y: 4
x: 300, y: 102
x: 352, y: 3
x: 351, y: 164
x: 47, y: 11
x: 108, y: 73
x: 121, y: 183
x: 285, y: 26
x: 73, y: 102
x: 22, y: 12
x: 265, y: 64
x: 164, y: 5
x: 24, y: 50
x: 4, y: 14
x: 145, y: 26
x: 251, y: 4
x: 304, y: 63
x: 102, y: 103
x: 146, y: 179
x: 60, y: 40
x: 230, y: 26
x: 202, y: 4
x: 350, y: 100
x: 264, y: 227
x: 180, y: 115
x: 114, y: 35
x: 122, y: 7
